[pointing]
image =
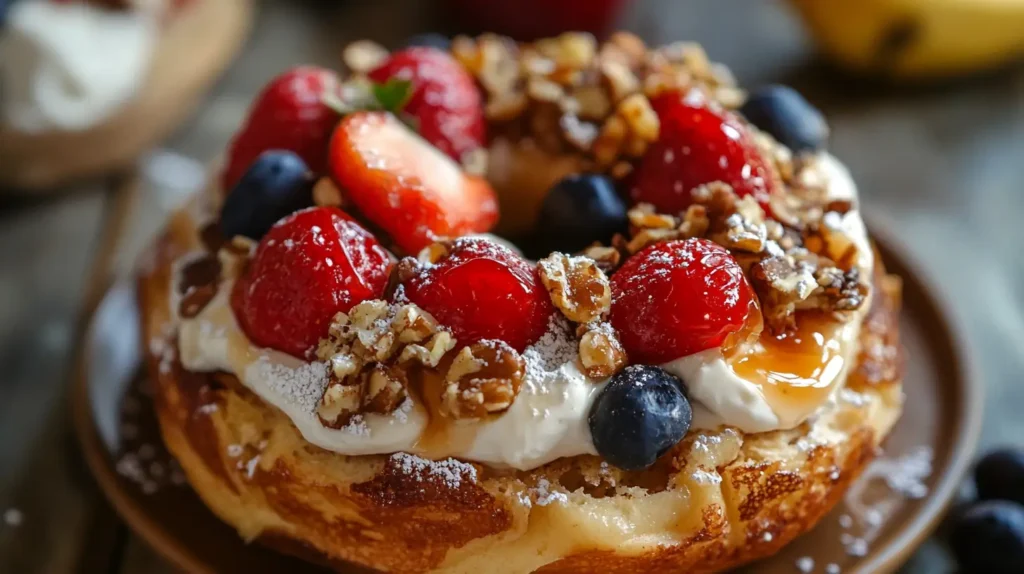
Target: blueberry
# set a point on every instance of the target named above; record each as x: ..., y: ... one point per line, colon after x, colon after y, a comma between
x: 278, y: 183
x: 1000, y: 475
x: 788, y: 117
x: 639, y: 415
x: 578, y: 211
x: 989, y: 538
x: 430, y: 40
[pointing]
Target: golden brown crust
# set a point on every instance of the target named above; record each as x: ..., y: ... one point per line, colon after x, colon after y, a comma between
x: 719, y: 499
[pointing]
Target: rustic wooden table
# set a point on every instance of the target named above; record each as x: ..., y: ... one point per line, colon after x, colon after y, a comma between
x: 941, y: 166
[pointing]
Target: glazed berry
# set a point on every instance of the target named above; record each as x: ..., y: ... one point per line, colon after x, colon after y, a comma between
x: 289, y: 114
x: 788, y: 117
x: 989, y: 538
x: 278, y: 183
x: 404, y: 185
x: 1000, y: 475
x: 677, y: 298
x: 639, y: 415
x: 445, y: 101
x: 578, y: 211
x: 483, y: 290
x: 430, y: 40
x: 699, y: 144
x: 308, y: 267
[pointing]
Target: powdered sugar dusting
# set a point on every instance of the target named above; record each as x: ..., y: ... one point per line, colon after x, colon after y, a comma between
x: 450, y: 472
x: 556, y: 348
x: 302, y: 386
x: 546, y: 496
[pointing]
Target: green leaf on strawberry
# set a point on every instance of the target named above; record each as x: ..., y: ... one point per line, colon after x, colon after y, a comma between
x: 393, y: 94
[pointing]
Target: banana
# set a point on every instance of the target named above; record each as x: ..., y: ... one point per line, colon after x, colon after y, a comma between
x: 917, y: 39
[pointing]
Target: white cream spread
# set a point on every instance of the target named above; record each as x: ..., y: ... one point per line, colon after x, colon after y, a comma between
x: 548, y: 419
x: 70, y: 66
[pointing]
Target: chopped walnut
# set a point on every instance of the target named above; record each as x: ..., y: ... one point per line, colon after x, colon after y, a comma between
x: 607, y: 258
x: 828, y: 239
x: 369, y: 351
x: 601, y: 353
x: 577, y: 286
x: 326, y: 193
x: 570, y: 94
x: 362, y: 56
x: 434, y: 252
x: 781, y: 283
x: 643, y: 216
x: 341, y: 401
x: 840, y: 291
x: 386, y: 389
x: 430, y: 352
x: 484, y: 378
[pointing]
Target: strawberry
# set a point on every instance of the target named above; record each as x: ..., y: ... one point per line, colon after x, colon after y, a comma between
x: 289, y: 114
x: 482, y: 290
x: 444, y: 100
x: 405, y: 186
x: 699, y: 144
x: 311, y: 265
x: 677, y: 298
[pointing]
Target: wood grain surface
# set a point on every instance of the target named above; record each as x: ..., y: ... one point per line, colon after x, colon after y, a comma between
x: 942, y: 165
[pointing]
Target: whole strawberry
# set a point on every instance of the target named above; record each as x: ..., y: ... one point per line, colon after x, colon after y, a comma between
x: 289, y: 114
x: 444, y: 102
x: 311, y: 265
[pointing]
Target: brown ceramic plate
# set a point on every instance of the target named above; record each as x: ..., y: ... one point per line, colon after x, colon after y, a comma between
x: 886, y: 515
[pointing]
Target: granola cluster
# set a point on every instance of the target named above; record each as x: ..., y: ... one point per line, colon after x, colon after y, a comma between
x: 571, y: 95
x: 807, y: 263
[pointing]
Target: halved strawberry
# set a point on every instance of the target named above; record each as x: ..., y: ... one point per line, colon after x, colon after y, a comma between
x: 405, y: 185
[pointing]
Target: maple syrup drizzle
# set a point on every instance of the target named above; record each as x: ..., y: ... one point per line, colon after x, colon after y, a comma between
x: 443, y: 436
x: 795, y: 371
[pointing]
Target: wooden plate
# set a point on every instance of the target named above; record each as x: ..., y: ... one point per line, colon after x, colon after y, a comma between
x: 194, y: 49
x: 874, y: 530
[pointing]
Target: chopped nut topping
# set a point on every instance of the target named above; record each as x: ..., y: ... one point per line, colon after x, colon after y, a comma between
x: 429, y: 353
x: 780, y: 284
x: 484, y: 378
x: 434, y: 252
x: 196, y: 299
x: 198, y: 284
x: 607, y: 258
x: 577, y: 286
x: 386, y: 389
x: 369, y: 350
x: 340, y: 403
x: 326, y: 193
x: 570, y: 94
x: 601, y: 353
x: 362, y: 56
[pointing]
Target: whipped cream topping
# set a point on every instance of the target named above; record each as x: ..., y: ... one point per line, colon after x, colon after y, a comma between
x: 548, y: 419
x: 69, y: 66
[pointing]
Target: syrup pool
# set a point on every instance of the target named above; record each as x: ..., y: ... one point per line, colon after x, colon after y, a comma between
x: 795, y: 371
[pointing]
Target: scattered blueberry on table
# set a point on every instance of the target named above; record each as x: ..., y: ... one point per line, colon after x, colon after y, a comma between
x: 788, y: 117
x: 988, y: 538
x: 578, y: 211
x: 1000, y: 475
x: 278, y: 183
x: 638, y: 416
